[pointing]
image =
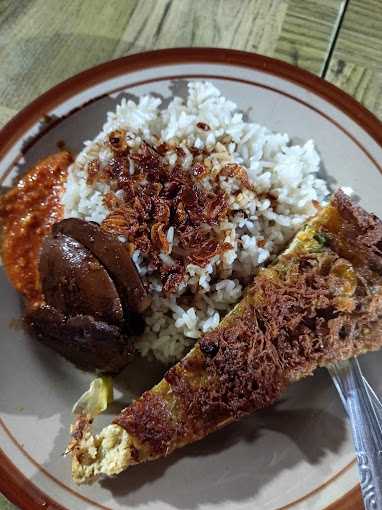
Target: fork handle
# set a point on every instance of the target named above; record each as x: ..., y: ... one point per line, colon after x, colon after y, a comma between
x: 367, y: 436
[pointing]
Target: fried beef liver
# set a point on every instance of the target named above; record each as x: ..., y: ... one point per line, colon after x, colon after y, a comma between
x: 75, y: 283
x: 84, y: 317
x: 90, y: 344
x: 114, y: 256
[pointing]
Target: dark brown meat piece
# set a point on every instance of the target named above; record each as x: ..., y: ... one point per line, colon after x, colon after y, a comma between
x: 113, y: 254
x: 89, y: 344
x: 75, y: 283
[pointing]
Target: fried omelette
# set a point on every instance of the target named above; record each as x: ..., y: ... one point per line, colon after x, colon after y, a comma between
x: 318, y: 303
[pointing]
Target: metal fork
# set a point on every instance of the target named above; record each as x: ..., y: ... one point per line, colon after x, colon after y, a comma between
x: 364, y: 410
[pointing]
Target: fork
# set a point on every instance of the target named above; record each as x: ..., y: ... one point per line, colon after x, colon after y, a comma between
x: 364, y: 410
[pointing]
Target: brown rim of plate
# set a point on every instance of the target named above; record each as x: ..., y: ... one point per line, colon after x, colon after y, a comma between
x: 352, y: 500
x: 21, y: 491
x: 43, y: 104
x: 13, y: 483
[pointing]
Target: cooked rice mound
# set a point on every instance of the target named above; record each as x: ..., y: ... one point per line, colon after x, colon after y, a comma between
x: 200, y: 196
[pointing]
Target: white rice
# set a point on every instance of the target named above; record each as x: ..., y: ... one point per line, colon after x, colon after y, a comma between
x: 256, y: 228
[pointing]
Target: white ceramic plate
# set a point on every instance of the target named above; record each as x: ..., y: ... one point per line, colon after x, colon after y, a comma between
x: 297, y: 455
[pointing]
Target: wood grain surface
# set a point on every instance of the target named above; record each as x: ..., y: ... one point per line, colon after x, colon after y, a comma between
x: 42, y: 42
x: 356, y: 63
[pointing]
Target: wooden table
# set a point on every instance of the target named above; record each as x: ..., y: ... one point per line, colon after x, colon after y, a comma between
x: 42, y: 42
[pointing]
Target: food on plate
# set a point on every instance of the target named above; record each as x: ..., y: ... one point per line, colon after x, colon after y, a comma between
x: 179, y: 205
x: 96, y: 399
x: 319, y: 303
x: 148, y: 242
x: 112, y: 253
x: 27, y: 213
x: 81, y: 316
x: 93, y: 296
x: 202, y: 197
x: 90, y: 344
x: 74, y: 281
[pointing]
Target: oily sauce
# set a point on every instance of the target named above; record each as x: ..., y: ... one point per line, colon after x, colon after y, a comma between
x: 27, y: 213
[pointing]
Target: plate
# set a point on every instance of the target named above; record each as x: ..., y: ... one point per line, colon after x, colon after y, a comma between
x: 297, y: 455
